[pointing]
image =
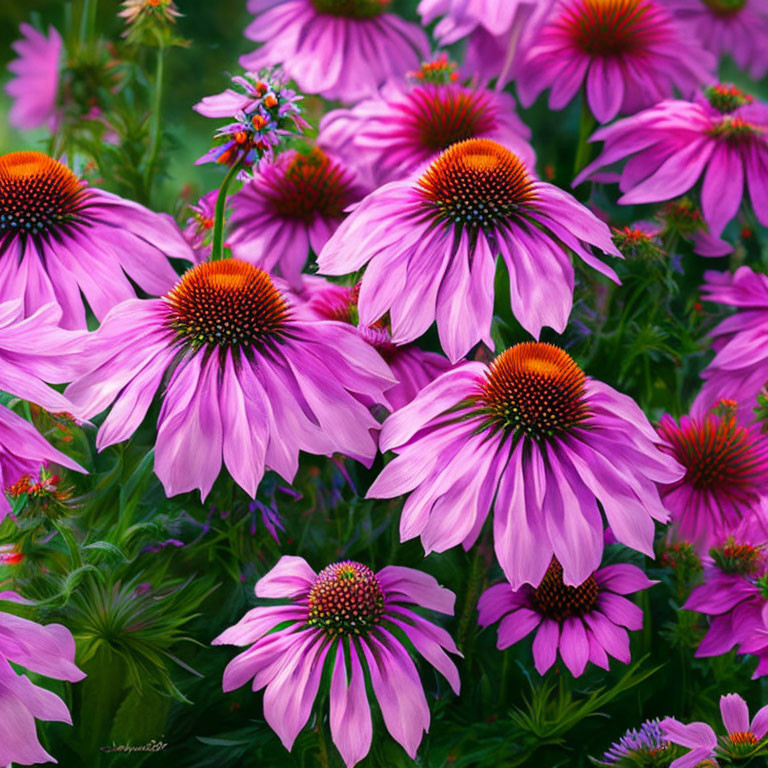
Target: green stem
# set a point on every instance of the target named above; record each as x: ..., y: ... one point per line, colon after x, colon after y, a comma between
x: 587, y: 125
x: 473, y: 590
x: 88, y: 21
x: 217, y: 247
x: 157, y: 122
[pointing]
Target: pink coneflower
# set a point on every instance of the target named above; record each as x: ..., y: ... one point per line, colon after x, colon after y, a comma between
x: 431, y: 244
x: 584, y: 623
x: 726, y: 479
x: 412, y: 366
x: 341, y: 49
x: 735, y: 27
x: 740, y: 367
x: 43, y: 650
x: 733, y: 597
x: 351, y: 619
x: 743, y: 738
x: 289, y: 207
x: 534, y: 438
x: 396, y: 132
x: 32, y: 351
x: 60, y: 237
x: 199, y: 226
x: 496, y: 31
x: 627, y: 54
x: 672, y: 144
x: 35, y: 87
x: 250, y: 383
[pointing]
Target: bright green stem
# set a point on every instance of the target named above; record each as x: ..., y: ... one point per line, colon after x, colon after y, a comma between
x: 157, y: 123
x: 217, y: 247
x: 587, y: 125
x: 88, y: 21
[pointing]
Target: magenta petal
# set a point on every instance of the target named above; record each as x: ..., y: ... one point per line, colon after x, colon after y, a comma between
x: 291, y: 577
x: 517, y: 625
x: 545, y: 645
x: 351, y: 727
x: 574, y: 646
x: 735, y: 713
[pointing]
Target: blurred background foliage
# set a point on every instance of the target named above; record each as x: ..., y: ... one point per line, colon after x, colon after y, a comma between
x: 146, y: 583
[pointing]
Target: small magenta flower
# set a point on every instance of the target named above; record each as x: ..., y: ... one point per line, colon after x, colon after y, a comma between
x: 264, y: 110
x: 407, y: 124
x: 721, y: 136
x: 734, y: 596
x: 536, y: 440
x: 584, y: 623
x: 725, y: 488
x: 739, y: 370
x: 351, y: 620
x: 43, y: 650
x: 290, y: 208
x: 246, y: 380
x: 34, y: 88
x: 431, y: 243
x: 65, y: 242
x: 340, y: 49
x: 743, y: 739
x: 626, y: 54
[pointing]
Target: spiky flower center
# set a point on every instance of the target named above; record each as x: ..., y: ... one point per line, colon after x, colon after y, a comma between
x: 743, y: 737
x: 735, y: 557
x: 719, y: 454
x: 734, y: 129
x: 475, y: 183
x: 312, y: 185
x: 227, y: 303
x: 346, y: 599
x: 441, y: 115
x: 535, y: 389
x: 727, y: 98
x: 353, y: 9
x: 725, y: 7
x: 559, y: 601
x: 37, y: 194
x: 609, y: 27
x: 439, y: 70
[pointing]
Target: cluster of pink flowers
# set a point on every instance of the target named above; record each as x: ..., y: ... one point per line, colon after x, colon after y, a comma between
x: 410, y: 198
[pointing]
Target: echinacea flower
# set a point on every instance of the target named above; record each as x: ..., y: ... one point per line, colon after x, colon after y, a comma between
x: 496, y: 32
x: 351, y: 620
x: 742, y: 739
x: 412, y: 366
x: 739, y: 369
x: 720, y: 136
x: 626, y: 54
x: 431, y: 244
x: 534, y: 438
x: 47, y: 650
x: 405, y: 125
x: 587, y: 622
x: 289, y: 207
x: 35, y: 86
x: 62, y: 240
x: 342, y: 50
x: 738, y: 28
x: 32, y: 351
x: 264, y: 110
x: 639, y: 746
x: 250, y: 383
x: 199, y: 226
x: 725, y: 486
x: 733, y: 596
